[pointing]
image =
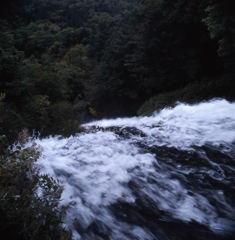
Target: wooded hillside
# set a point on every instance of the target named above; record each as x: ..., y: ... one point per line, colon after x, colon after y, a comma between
x: 64, y: 62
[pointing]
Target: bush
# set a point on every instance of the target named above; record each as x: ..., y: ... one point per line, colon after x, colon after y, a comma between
x: 220, y: 87
x: 28, y: 200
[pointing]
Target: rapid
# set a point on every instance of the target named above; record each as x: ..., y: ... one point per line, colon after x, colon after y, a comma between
x: 167, y: 176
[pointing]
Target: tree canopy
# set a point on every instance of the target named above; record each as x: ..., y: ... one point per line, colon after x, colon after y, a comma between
x: 106, y: 58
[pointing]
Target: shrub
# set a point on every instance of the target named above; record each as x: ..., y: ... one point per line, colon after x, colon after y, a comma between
x: 28, y: 200
x: 219, y: 87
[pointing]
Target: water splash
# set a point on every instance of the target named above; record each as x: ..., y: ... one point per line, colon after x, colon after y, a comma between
x: 159, y: 177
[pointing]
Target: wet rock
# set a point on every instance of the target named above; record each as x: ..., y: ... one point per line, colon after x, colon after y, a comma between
x: 131, y: 131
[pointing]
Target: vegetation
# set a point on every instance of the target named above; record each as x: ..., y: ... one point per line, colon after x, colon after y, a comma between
x: 28, y: 200
x: 106, y: 58
x: 64, y: 62
x: 48, y: 50
x: 163, y: 46
x: 192, y: 93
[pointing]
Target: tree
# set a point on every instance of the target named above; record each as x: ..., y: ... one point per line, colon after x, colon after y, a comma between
x: 29, y: 201
x: 220, y: 21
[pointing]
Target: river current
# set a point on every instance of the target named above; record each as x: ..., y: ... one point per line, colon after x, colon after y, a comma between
x: 168, y: 176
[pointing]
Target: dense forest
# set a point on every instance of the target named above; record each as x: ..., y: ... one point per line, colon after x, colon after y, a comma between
x: 50, y: 54
x: 65, y: 62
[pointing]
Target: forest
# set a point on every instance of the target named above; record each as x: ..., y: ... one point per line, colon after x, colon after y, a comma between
x: 66, y: 62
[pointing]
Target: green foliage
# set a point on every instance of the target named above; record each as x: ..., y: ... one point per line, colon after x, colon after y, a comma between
x: 16, y: 90
x: 49, y: 84
x: 110, y: 55
x: 161, y: 46
x: 62, y: 119
x: 220, y: 21
x: 74, y: 69
x: 13, y: 76
x: 192, y: 93
x: 6, y: 38
x: 29, y: 201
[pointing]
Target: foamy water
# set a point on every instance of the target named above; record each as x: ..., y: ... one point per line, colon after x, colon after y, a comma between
x: 143, y: 177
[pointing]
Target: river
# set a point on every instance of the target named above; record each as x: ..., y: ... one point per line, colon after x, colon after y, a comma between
x: 168, y: 176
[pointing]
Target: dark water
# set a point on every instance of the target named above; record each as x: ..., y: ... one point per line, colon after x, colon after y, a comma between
x: 169, y: 176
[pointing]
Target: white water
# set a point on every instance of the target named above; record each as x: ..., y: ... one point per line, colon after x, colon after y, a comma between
x: 101, y: 169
